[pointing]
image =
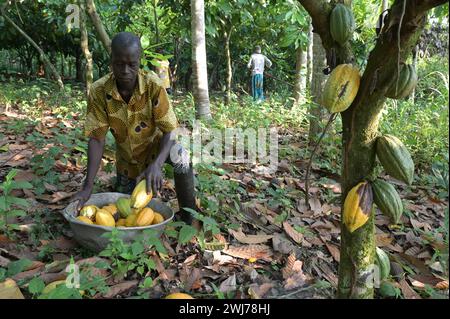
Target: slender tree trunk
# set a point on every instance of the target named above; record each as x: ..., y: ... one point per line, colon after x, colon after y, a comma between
x: 316, y: 111
x: 199, y: 66
x: 227, y: 36
x: 412, y: 97
x: 309, y: 58
x: 300, y: 78
x: 155, y: 16
x: 62, y: 65
x: 78, y: 66
x: 42, y: 55
x: 84, y: 44
x: 95, y: 18
x: 385, y: 5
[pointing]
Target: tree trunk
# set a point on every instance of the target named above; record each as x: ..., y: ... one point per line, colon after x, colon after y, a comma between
x: 385, y: 5
x: 309, y: 58
x: 95, y: 18
x: 155, y: 17
x: 227, y: 36
x: 316, y: 111
x: 62, y: 65
x: 300, y: 78
x: 412, y: 97
x: 199, y: 66
x: 78, y: 66
x: 84, y: 44
x: 42, y: 55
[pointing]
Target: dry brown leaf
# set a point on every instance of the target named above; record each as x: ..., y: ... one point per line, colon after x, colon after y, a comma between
x: 50, y: 187
x: 383, y: 239
x: 228, y: 284
x: 249, y: 239
x: 24, y: 176
x: 443, y: 285
x: 222, y: 259
x: 408, y: 292
x: 4, y: 262
x: 334, y: 251
x: 120, y: 288
x: 188, y: 261
x: 315, y: 205
x: 287, y: 270
x: 413, y: 251
x: 250, y: 251
x: 194, y: 280
x: 28, y: 274
x: 59, y: 196
x: 258, y: 291
x: 295, y: 235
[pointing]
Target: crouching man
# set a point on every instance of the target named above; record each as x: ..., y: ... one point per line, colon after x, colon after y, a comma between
x: 135, y: 107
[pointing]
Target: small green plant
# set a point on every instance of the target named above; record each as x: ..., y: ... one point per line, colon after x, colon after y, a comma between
x: 10, y: 205
x: 125, y: 257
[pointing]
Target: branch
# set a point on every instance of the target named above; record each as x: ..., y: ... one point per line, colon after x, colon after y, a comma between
x: 104, y: 37
x: 319, y: 11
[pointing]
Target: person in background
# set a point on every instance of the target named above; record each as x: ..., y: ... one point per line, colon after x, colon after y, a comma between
x: 163, y: 72
x: 256, y: 64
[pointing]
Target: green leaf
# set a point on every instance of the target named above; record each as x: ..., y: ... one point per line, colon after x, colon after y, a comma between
x: 137, y: 248
x: 21, y: 185
x: 148, y: 283
x: 18, y: 266
x: 36, y: 285
x: 187, y: 232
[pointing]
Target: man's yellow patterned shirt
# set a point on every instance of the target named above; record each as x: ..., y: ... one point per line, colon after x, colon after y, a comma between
x: 137, y: 126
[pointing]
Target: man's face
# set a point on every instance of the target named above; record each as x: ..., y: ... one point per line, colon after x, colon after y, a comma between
x: 125, y: 64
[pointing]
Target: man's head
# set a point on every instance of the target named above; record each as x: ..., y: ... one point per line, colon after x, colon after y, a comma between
x: 125, y: 57
x: 257, y: 49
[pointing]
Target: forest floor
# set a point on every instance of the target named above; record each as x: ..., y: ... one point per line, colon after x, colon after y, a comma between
x: 270, y: 244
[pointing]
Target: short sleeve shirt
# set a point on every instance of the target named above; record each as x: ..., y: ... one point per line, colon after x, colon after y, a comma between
x: 137, y: 126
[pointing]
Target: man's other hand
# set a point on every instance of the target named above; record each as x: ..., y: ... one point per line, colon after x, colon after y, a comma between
x: 153, y: 177
x: 82, y: 196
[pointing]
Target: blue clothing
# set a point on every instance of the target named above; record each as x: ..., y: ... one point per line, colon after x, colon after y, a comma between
x: 257, y: 87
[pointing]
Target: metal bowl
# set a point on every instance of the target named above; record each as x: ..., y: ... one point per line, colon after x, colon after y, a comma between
x: 90, y: 236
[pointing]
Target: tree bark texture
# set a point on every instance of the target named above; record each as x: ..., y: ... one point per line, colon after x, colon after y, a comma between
x: 199, y: 66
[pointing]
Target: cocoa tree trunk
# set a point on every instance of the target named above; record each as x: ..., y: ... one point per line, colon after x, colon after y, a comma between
x: 84, y: 44
x: 316, y: 111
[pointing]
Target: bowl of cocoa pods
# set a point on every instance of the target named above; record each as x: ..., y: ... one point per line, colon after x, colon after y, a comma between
x: 130, y: 215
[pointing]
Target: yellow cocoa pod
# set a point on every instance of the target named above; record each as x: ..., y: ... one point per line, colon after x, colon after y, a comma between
x: 157, y: 219
x: 136, y: 211
x: 121, y: 222
x: 112, y: 208
x: 358, y: 206
x: 139, y: 198
x: 179, y: 295
x: 104, y: 218
x: 124, y: 207
x: 84, y: 219
x: 145, y: 217
x: 130, y: 221
x: 89, y: 211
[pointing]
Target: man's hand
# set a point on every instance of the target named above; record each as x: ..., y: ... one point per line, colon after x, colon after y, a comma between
x: 153, y: 177
x: 82, y: 196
